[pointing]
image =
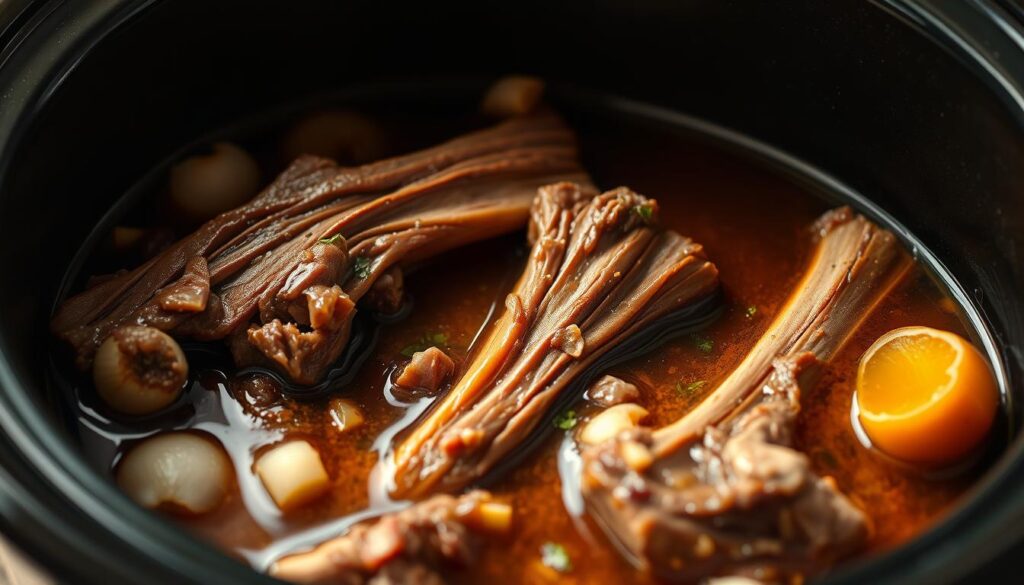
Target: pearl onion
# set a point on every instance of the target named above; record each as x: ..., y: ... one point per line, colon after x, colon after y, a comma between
x: 139, y: 370
x: 177, y: 471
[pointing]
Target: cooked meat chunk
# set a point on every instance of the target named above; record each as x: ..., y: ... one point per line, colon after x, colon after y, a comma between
x: 600, y: 272
x: 190, y: 293
x: 320, y: 268
x: 609, y: 391
x: 740, y: 498
x: 386, y: 294
x: 722, y: 490
x: 427, y: 370
x: 254, y: 273
x: 415, y: 546
x: 302, y: 354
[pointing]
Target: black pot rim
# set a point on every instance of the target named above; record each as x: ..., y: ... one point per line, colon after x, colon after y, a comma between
x: 81, y: 528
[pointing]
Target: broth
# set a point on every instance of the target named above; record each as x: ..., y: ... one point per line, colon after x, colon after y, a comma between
x: 753, y: 222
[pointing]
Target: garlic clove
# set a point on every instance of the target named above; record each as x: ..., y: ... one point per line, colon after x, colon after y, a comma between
x: 181, y: 472
x: 612, y: 421
x: 202, y: 186
x: 293, y: 474
x: 139, y: 370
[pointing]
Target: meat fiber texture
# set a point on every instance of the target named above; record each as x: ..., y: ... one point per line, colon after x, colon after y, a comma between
x: 282, y: 276
x: 601, y: 276
x: 416, y: 546
x: 723, y: 490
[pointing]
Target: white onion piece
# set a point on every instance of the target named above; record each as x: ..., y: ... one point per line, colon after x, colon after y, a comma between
x: 293, y: 474
x: 177, y: 471
x: 204, y: 185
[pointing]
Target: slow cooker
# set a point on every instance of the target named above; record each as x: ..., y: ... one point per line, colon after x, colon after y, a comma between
x: 916, y: 104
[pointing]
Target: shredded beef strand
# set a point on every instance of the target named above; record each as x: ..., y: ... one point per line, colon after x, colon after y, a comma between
x: 723, y: 490
x: 256, y: 274
x: 417, y: 545
x: 599, y: 272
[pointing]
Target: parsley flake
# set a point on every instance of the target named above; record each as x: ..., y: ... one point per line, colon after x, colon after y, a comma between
x: 554, y: 556
x: 690, y: 388
x: 644, y: 212
x: 751, y: 311
x: 566, y: 420
x: 704, y: 344
x: 334, y: 240
x: 361, y: 267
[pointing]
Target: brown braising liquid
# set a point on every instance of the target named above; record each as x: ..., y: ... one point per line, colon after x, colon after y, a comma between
x: 753, y: 223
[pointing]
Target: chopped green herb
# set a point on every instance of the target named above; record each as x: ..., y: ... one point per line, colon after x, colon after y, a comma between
x: 644, y: 212
x: 704, y: 344
x: 690, y: 388
x: 333, y: 240
x: 361, y: 266
x: 751, y: 311
x: 566, y: 420
x: 427, y: 340
x: 553, y: 555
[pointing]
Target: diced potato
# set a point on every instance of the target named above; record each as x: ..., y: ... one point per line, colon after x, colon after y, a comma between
x: 345, y: 414
x: 611, y: 422
x: 495, y: 517
x: 293, y: 474
x: 512, y: 96
x: 178, y: 471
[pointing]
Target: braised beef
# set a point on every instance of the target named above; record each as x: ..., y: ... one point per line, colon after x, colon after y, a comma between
x: 282, y: 275
x: 415, y: 546
x: 722, y: 490
x: 386, y: 295
x: 600, y: 272
x: 427, y: 370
